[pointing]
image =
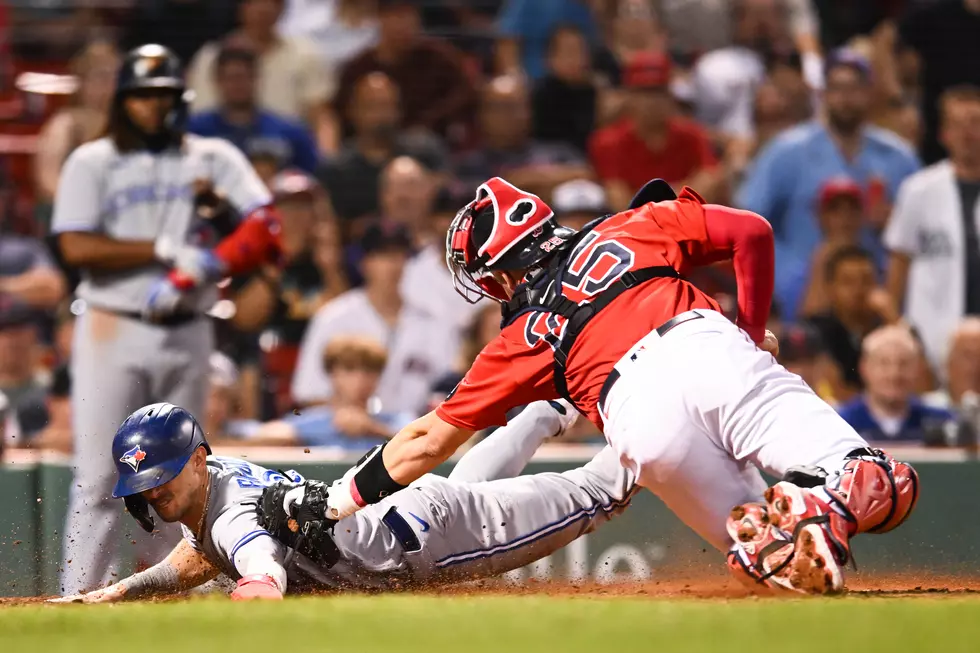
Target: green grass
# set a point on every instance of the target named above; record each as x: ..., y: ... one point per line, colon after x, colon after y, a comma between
x: 403, y: 624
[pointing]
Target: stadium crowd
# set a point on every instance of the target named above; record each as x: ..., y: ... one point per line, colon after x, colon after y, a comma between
x: 853, y: 127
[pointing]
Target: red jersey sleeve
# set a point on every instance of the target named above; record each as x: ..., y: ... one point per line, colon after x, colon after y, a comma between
x: 509, y: 372
x: 683, y: 222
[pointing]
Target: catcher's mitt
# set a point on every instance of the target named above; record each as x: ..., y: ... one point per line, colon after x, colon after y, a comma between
x: 306, y: 530
x: 213, y: 207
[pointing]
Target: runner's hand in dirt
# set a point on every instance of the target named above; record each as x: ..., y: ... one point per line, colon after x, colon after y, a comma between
x: 109, y: 594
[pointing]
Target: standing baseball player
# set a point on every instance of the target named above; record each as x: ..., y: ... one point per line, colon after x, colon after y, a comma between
x: 145, y: 214
x: 690, y: 402
x: 444, y: 530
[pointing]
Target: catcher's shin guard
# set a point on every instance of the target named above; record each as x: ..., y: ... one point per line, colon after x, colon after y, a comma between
x: 876, y: 491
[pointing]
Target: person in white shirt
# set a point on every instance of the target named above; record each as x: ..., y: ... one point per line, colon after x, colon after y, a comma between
x: 421, y: 347
x: 932, y: 235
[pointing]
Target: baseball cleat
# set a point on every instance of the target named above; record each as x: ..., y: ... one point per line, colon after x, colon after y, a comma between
x: 793, y: 542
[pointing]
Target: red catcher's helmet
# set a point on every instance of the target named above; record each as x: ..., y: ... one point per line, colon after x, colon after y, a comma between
x: 504, y: 228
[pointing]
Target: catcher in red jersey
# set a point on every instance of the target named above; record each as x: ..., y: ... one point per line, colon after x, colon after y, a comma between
x: 694, y: 404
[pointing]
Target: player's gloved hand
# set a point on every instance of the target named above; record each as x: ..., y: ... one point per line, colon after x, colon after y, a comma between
x: 257, y: 586
x: 196, y: 264
x: 163, y: 299
x: 294, y: 514
x: 567, y: 415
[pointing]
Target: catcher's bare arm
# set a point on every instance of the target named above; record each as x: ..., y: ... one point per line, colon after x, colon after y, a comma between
x: 182, y: 570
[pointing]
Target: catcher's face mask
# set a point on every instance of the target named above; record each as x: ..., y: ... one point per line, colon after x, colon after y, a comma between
x: 489, y: 233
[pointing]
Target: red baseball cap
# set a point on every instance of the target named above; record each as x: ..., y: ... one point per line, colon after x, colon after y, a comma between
x: 649, y: 69
x: 840, y: 187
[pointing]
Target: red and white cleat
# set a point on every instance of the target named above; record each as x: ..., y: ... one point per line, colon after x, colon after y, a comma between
x: 794, y: 542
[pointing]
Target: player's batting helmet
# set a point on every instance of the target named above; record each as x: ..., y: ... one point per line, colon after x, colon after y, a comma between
x: 150, y: 449
x: 504, y: 228
x: 152, y: 67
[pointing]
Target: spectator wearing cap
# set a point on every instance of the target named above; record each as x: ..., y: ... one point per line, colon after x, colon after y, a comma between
x: 280, y: 302
x: 525, y: 28
x: 942, y: 36
x: 652, y: 141
x: 841, y: 216
x: 427, y: 285
x: 420, y: 348
x: 291, y: 80
x: 801, y: 351
x: 785, y: 180
x: 239, y: 118
x: 565, y: 98
x: 578, y: 202
x: 437, y: 93
x: 933, y: 236
x: 855, y: 309
x: 352, y: 418
x: 889, y: 410
x: 507, y: 148
x: 374, y: 111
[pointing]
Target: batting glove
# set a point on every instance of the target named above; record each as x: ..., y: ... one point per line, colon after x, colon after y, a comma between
x: 163, y: 299
x: 196, y: 264
x: 257, y: 586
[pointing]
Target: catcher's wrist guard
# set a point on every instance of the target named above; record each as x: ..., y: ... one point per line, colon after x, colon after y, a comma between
x: 307, y: 531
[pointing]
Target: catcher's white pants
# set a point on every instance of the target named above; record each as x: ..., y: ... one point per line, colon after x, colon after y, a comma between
x: 697, y: 411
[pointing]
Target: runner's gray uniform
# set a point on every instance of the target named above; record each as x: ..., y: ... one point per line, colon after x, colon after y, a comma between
x: 476, y: 523
x: 120, y: 363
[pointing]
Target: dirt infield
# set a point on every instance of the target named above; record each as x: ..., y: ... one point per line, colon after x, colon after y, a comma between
x: 707, y: 586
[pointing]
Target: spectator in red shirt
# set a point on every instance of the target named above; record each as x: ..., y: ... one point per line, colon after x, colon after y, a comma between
x: 652, y: 141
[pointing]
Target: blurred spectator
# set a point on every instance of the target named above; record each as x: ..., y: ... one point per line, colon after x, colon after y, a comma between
x: 784, y: 182
x: 725, y: 79
x: 82, y: 120
x: 578, y: 202
x: 564, y: 99
x: 239, y: 119
x: 374, y: 111
x: 856, y: 308
x: 57, y: 434
x: 281, y: 301
x: 350, y: 419
x: 962, y: 367
x: 785, y: 72
x: 340, y: 29
x: 634, y: 28
x: 889, y: 410
x: 407, y: 191
x: 219, y: 410
x: 652, y: 141
x: 29, y: 278
x: 943, y: 38
x: 524, y: 28
x: 427, y: 284
x: 507, y: 149
x: 934, y: 264
x: 436, y: 91
x: 291, y: 80
x: 420, y: 348
x: 801, y: 351
x: 841, y: 21
x: 266, y: 164
x: 841, y: 215
x: 18, y: 360
x: 181, y: 25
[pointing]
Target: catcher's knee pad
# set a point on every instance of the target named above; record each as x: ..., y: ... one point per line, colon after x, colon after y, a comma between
x: 878, y: 491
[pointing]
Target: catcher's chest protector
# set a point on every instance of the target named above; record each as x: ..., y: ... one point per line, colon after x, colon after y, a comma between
x: 542, y: 292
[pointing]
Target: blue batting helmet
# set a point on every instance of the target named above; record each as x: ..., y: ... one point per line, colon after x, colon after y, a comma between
x: 150, y: 449
x: 155, y: 67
